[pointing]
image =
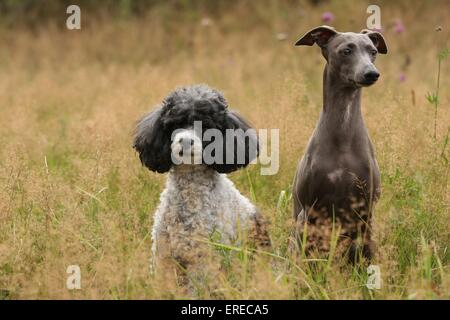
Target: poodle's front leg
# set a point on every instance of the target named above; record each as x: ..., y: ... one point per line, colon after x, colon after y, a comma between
x: 160, y: 251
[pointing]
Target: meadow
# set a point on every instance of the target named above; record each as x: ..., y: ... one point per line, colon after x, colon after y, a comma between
x: 73, y: 192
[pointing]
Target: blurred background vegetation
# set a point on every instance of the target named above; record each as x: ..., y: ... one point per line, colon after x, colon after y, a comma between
x: 72, y: 190
x: 32, y: 13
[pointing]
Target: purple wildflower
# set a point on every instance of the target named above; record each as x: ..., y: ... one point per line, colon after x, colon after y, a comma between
x: 399, y: 27
x: 327, y: 17
x: 380, y: 29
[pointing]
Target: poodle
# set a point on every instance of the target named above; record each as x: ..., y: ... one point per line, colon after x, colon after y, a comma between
x: 199, y: 201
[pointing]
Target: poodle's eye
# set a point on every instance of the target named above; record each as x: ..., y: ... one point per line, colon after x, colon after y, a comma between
x: 347, y: 51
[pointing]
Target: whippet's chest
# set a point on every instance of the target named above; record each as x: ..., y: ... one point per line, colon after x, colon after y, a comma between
x: 345, y: 182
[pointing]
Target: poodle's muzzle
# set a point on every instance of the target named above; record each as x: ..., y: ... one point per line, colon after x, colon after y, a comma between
x: 186, y: 147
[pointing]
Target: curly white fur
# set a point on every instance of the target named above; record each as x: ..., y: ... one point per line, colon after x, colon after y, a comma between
x: 197, y: 202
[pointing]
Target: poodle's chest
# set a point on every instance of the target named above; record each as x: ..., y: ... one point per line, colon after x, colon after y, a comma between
x: 200, y: 214
x: 194, y: 208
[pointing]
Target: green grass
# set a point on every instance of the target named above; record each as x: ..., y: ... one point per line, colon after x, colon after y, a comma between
x: 72, y: 190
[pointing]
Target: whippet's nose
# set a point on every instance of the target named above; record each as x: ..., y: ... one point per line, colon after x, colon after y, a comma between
x: 371, y: 76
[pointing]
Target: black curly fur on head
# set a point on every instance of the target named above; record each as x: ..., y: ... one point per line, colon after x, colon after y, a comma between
x: 179, y: 110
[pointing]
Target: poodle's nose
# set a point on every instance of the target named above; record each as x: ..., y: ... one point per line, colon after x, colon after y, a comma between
x: 186, y: 141
x: 186, y: 145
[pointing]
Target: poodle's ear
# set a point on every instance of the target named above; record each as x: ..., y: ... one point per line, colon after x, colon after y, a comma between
x: 240, y: 145
x: 152, y: 144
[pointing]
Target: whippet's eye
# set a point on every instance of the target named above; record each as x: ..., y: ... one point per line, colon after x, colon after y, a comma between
x: 373, y: 52
x: 347, y: 52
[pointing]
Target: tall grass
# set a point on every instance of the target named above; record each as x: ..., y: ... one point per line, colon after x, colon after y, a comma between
x: 433, y: 98
x: 72, y: 190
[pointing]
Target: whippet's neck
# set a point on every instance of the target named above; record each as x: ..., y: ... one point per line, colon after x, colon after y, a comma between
x: 341, y: 115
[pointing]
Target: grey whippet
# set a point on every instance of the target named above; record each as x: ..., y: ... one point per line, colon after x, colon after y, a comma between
x: 338, y: 181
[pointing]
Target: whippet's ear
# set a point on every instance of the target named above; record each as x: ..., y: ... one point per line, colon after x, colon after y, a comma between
x: 320, y: 35
x: 377, y: 39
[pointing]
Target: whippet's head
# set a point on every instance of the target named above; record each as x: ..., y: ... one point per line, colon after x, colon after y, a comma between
x: 350, y: 56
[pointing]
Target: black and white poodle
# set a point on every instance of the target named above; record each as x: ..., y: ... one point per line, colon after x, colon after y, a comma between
x: 198, y: 200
